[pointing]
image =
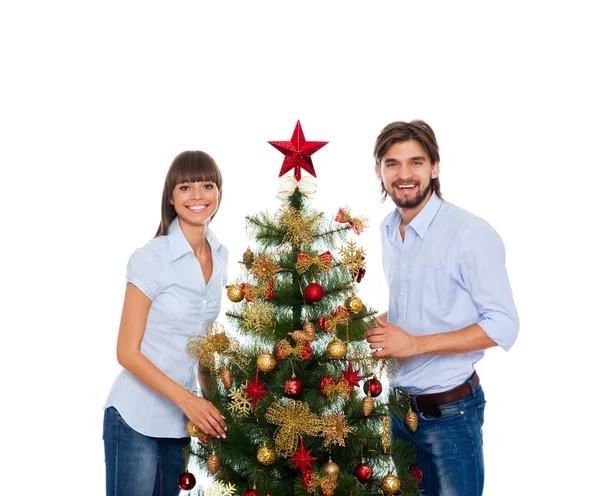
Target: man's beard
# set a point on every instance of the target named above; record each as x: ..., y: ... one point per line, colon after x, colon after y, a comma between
x: 410, y: 203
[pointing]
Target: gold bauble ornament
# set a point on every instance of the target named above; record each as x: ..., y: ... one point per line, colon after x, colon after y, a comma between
x: 390, y: 484
x: 331, y: 468
x: 266, y: 455
x: 213, y: 463
x: 336, y: 349
x: 234, y: 293
x: 194, y: 431
x: 266, y: 362
x: 411, y: 419
x: 353, y: 304
x: 227, y: 378
x: 368, y: 403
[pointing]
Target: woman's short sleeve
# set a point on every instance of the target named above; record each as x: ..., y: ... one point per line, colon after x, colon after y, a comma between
x: 145, y: 270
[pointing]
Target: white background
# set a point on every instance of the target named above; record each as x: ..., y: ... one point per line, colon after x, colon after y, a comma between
x: 98, y: 97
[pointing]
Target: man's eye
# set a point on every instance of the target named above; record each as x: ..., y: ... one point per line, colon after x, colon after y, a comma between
x: 417, y: 164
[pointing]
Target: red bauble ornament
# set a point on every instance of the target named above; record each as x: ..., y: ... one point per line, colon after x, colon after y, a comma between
x: 186, y: 481
x: 292, y: 387
x: 374, y: 386
x: 251, y: 492
x: 363, y: 472
x: 314, y: 292
x: 297, y: 153
x: 417, y: 473
x: 325, y: 382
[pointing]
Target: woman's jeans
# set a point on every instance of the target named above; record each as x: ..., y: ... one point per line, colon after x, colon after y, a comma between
x: 138, y: 465
x: 449, y: 448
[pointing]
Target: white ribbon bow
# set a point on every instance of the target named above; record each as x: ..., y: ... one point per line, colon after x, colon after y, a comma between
x: 288, y: 185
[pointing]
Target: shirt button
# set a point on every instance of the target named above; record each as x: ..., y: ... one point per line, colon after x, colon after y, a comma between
x: 204, y: 301
x: 402, y: 294
x: 403, y: 265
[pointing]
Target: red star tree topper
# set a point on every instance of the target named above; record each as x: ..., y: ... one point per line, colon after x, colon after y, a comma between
x: 297, y: 153
x: 255, y: 391
x: 302, y: 458
x: 352, y: 376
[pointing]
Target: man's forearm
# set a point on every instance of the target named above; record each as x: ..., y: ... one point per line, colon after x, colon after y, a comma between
x: 470, y: 339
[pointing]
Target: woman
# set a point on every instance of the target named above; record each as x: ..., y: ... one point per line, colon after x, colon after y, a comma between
x: 174, y: 287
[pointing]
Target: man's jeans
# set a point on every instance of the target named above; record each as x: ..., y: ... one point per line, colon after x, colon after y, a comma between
x: 450, y: 448
x: 138, y: 465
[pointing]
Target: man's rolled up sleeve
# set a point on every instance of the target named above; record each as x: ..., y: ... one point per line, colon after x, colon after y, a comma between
x: 482, y: 265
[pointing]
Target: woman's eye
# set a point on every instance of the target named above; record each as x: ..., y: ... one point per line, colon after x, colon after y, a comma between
x: 184, y: 188
x: 209, y: 186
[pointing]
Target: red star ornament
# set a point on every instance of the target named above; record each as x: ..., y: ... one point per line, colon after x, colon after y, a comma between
x: 297, y: 153
x: 255, y: 391
x: 302, y: 458
x: 352, y: 377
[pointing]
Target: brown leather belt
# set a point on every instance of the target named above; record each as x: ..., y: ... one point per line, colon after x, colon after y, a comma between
x: 429, y: 403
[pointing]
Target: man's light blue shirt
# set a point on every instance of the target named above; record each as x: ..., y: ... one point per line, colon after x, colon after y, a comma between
x: 447, y: 274
x: 167, y: 271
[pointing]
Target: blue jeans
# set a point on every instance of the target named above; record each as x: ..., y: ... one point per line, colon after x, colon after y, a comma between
x: 449, y: 448
x: 138, y: 465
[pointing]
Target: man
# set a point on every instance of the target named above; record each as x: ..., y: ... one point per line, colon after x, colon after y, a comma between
x: 449, y: 300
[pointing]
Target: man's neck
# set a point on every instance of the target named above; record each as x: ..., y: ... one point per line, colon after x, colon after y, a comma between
x: 408, y: 214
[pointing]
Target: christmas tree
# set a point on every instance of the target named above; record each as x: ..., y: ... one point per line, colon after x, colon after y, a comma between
x: 300, y: 393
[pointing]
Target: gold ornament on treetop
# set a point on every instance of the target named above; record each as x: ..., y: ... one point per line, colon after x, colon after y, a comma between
x: 234, y: 293
x: 266, y: 362
x: 266, y: 455
x: 390, y: 484
x: 213, y: 463
x: 336, y: 349
x: 299, y: 228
